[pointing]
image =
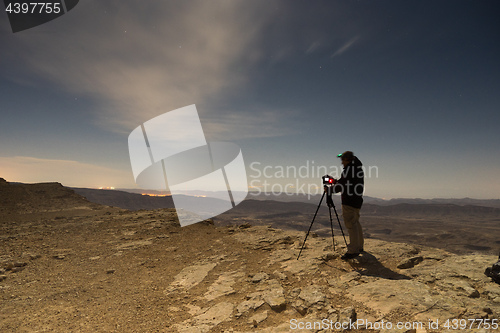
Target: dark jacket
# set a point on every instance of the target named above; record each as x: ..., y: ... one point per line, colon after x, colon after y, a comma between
x: 351, y: 184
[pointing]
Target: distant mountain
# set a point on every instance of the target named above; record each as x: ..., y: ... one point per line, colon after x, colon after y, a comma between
x: 264, y: 204
x: 430, y: 210
x: 461, y: 202
x: 20, y: 198
x: 141, y: 191
x: 125, y: 200
x: 270, y: 209
x: 135, y: 201
x: 377, y: 201
x: 314, y: 199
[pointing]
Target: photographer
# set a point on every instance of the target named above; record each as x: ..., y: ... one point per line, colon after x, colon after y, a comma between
x: 351, y: 187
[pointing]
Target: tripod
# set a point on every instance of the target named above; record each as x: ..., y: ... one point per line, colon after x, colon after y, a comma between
x: 329, y: 202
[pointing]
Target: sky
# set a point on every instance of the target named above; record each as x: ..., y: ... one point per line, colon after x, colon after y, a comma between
x: 412, y: 88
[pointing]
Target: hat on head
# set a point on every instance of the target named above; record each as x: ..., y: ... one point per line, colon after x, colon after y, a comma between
x: 349, y: 155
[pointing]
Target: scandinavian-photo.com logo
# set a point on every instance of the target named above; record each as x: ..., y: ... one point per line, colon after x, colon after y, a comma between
x: 170, y: 153
x: 300, y: 180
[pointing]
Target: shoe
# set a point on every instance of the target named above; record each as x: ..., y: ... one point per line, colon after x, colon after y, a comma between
x: 348, y: 256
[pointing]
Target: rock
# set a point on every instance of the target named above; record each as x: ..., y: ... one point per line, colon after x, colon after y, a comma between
x: 258, y: 318
x: 313, y: 296
x: 477, y: 312
x: 347, y: 315
x: 215, y: 314
x: 462, y: 266
x: 487, y: 310
x: 253, y: 302
x: 333, y: 315
x: 193, y: 309
x: 275, y: 296
x: 308, y: 299
x: 260, y: 277
x: 299, y: 245
x: 494, y: 272
x: 460, y: 287
x: 349, y: 277
x: 110, y: 271
x: 17, y: 269
x: 385, y: 296
x: 328, y: 256
x: 30, y: 256
x: 295, y: 293
x: 410, y: 262
x: 207, y: 319
x: 300, y: 307
x: 190, y: 276
x: 222, y: 286
x: 492, y: 291
x: 469, y: 291
x: 286, y: 240
x: 59, y: 256
x: 280, y: 256
x: 3, y: 277
x: 280, y: 275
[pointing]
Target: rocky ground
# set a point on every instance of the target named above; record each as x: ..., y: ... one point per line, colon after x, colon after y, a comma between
x: 99, y: 269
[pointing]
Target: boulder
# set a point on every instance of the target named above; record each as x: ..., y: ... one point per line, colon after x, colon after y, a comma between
x: 410, y: 262
x: 494, y: 271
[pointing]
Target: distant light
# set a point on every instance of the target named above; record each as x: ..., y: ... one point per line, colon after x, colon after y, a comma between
x: 156, y: 195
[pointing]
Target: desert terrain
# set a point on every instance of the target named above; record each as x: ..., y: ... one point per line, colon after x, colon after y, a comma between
x: 72, y: 265
x: 457, y: 225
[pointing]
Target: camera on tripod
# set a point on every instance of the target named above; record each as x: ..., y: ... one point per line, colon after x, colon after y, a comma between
x: 328, y: 180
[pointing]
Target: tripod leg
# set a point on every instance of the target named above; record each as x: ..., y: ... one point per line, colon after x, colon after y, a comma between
x: 331, y: 225
x: 304, y: 243
x: 340, y: 225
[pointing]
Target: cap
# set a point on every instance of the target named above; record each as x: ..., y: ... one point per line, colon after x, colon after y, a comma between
x: 347, y: 155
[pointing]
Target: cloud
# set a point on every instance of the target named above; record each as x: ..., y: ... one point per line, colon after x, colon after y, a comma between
x: 139, y: 61
x: 345, y: 47
x: 69, y: 173
x: 313, y: 47
x: 250, y: 123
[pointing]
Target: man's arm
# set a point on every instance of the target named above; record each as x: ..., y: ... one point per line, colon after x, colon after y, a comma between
x: 341, y: 183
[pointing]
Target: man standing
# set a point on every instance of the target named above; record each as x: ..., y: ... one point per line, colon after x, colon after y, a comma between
x: 351, y: 187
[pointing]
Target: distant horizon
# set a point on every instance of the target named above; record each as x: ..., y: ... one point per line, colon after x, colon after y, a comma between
x: 146, y: 191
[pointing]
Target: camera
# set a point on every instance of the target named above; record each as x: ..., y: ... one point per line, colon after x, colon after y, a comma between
x: 328, y: 180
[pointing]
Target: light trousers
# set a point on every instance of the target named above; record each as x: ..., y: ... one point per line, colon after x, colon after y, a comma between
x: 351, y: 221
